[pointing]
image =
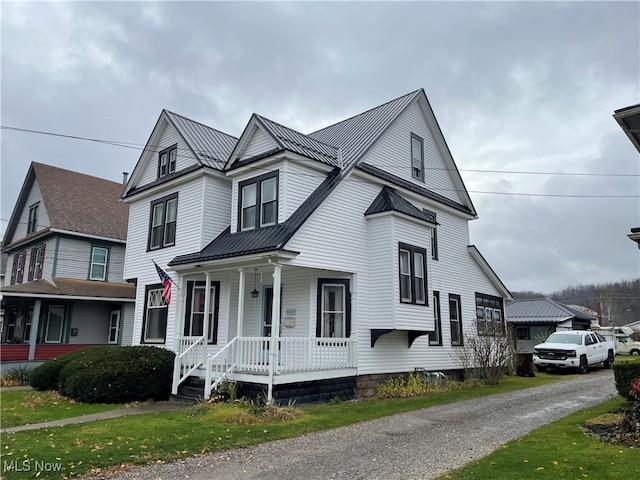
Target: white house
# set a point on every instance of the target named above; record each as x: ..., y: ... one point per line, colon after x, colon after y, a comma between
x: 354, y: 237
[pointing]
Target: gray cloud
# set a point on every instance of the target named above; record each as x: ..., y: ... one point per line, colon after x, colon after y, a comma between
x: 514, y: 85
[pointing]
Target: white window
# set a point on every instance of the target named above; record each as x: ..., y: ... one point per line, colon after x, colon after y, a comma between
x: 99, y: 259
x: 55, y: 323
x: 417, y: 157
x: 455, y: 320
x: 333, y: 311
x: 249, y: 207
x: 258, y: 202
x: 167, y: 161
x: 162, y: 225
x: 155, y: 321
x: 405, y: 275
x: 194, y: 321
x: 114, y: 327
x: 268, y: 202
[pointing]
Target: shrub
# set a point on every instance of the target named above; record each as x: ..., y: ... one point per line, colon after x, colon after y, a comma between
x: 625, y: 372
x: 45, y: 377
x: 17, y: 376
x: 119, y: 375
x: 414, y: 386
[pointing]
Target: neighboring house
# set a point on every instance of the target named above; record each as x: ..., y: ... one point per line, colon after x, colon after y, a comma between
x: 64, y: 287
x: 354, y: 240
x: 629, y: 120
x: 533, y: 320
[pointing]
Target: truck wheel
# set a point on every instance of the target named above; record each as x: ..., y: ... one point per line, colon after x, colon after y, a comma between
x: 609, y: 361
x: 584, y: 365
x: 634, y: 352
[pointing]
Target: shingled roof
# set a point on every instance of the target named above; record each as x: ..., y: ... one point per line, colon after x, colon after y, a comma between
x: 74, y: 288
x: 74, y: 202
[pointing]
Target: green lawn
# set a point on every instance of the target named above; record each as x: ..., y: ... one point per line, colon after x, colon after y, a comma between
x: 22, y: 407
x: 557, y: 451
x: 77, y: 449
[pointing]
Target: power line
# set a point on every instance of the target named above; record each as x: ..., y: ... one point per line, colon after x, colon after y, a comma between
x: 157, y: 148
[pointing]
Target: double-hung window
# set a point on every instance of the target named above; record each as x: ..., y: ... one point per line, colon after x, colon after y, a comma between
x: 36, y: 262
x: 194, y: 314
x: 162, y: 224
x: 489, y: 315
x: 417, y: 157
x: 55, y: 324
x: 413, y: 274
x: 99, y: 259
x: 435, y: 337
x: 258, y: 202
x: 154, y: 328
x: 17, y: 273
x: 334, y: 308
x: 455, y: 319
x: 167, y: 161
x: 32, y: 225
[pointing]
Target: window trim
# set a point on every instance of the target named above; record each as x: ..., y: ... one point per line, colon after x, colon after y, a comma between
x: 106, y: 263
x: 495, y: 306
x: 413, y: 250
x: 346, y: 284
x: 46, y: 332
x: 413, y: 173
x: 164, y: 201
x: 435, y: 337
x: 32, y: 223
x: 455, y: 299
x: 17, y: 271
x: 172, y: 158
x: 147, y: 290
x: 115, y: 328
x: 258, y: 217
x: 36, y: 262
x: 191, y: 285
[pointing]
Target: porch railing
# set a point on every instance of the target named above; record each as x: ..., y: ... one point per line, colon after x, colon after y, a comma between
x: 250, y: 355
x: 190, y: 355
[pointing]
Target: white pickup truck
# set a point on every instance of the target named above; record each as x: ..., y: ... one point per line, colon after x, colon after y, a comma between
x: 577, y: 349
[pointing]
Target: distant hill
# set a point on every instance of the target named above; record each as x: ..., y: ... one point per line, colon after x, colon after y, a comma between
x: 619, y: 301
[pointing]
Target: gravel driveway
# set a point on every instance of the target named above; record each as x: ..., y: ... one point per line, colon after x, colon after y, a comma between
x: 416, y: 445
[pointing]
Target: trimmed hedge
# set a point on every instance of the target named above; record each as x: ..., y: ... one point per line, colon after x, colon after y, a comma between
x: 126, y: 374
x: 626, y: 372
x: 46, y: 376
x: 109, y: 374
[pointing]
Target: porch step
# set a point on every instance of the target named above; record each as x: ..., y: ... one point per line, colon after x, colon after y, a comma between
x: 191, y: 389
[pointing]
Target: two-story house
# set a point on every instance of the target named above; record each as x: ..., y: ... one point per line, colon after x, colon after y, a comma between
x: 352, y: 240
x: 63, y: 287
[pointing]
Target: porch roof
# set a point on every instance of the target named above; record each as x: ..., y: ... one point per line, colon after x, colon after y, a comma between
x: 265, y: 239
x: 73, y: 288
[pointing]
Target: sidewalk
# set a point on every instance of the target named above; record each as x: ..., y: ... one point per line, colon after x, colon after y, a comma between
x: 157, y: 407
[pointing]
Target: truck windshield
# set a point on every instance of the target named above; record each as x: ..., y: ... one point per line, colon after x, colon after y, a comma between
x: 564, y: 338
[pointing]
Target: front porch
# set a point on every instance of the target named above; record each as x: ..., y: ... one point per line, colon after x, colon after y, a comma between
x: 285, y: 355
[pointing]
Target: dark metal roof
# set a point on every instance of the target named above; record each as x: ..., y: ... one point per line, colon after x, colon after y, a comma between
x: 542, y: 311
x: 299, y: 143
x: 629, y: 120
x: 377, y: 172
x: 389, y: 200
x: 265, y: 239
x: 355, y: 135
x: 212, y: 147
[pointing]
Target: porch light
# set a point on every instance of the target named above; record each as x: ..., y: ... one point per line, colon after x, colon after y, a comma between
x: 254, y: 292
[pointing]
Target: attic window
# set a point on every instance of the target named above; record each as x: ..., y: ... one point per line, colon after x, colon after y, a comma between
x: 32, y: 226
x: 258, y: 202
x: 417, y: 157
x: 167, y: 161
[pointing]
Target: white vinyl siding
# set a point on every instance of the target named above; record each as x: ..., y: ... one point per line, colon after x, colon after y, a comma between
x: 392, y: 153
x: 259, y: 143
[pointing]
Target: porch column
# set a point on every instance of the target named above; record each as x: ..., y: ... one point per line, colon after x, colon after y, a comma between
x: 205, y: 321
x: 275, y: 328
x: 179, y: 318
x: 33, y: 335
x: 240, y: 303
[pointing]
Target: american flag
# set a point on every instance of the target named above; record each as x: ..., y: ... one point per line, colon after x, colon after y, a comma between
x: 166, y: 284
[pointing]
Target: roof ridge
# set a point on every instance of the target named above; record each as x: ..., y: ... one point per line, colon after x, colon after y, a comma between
x: 75, y: 172
x: 306, y: 135
x: 367, y: 111
x: 200, y: 123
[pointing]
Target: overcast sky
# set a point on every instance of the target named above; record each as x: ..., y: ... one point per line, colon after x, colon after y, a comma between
x: 517, y: 87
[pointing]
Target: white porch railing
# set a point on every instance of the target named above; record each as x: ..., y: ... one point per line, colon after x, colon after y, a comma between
x: 190, y: 355
x: 250, y: 355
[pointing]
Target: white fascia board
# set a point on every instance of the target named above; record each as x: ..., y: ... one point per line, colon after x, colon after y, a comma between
x: 282, y: 156
x: 170, y: 185
x: 88, y: 235
x: 233, y: 263
x: 404, y: 216
x: 488, y: 271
